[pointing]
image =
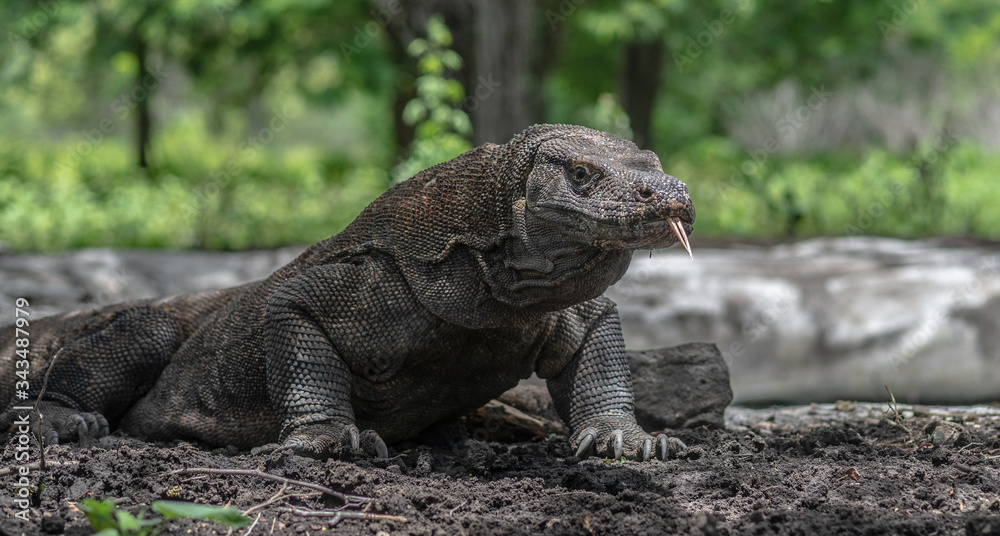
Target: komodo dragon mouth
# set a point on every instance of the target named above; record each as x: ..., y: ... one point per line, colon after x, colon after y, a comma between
x: 677, y: 226
x: 649, y: 235
x: 613, y: 234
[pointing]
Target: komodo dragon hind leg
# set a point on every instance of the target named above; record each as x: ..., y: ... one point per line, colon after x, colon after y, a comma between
x: 96, y: 378
x: 308, y: 381
x: 322, y: 440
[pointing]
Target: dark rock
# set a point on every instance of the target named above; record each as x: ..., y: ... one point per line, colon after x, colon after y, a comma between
x: 53, y: 524
x: 681, y: 387
x: 983, y: 526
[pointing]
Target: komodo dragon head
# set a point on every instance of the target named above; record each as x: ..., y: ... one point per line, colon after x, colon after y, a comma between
x: 545, y: 221
x: 588, y: 188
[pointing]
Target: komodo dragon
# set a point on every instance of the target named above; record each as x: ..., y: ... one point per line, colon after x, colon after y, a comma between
x: 444, y: 293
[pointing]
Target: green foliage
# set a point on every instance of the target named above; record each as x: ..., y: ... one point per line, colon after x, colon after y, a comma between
x: 66, y: 67
x: 192, y: 199
x: 607, y: 115
x: 876, y: 193
x: 107, y: 520
x: 442, y: 129
x: 228, y: 516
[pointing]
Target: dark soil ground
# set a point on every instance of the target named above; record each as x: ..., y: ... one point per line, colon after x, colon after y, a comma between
x: 830, y: 469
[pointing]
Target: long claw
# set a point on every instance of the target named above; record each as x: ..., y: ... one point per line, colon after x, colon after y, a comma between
x: 586, y: 442
x: 105, y: 427
x: 353, y: 435
x: 81, y: 426
x: 647, y: 448
x: 373, y: 445
x: 619, y: 443
x: 663, y: 446
x: 678, y: 229
x: 669, y: 447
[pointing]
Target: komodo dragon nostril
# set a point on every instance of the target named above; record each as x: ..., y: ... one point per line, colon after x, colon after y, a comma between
x: 645, y: 193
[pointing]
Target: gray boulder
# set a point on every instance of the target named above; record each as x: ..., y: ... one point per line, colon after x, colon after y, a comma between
x: 828, y: 319
x: 681, y: 387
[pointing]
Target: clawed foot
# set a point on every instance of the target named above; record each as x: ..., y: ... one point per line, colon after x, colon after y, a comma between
x: 628, y: 441
x: 62, y: 425
x: 322, y: 440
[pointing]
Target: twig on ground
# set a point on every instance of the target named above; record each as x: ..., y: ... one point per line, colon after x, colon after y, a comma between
x: 336, y: 516
x: 270, y: 500
x: 452, y: 511
x: 348, y: 500
x: 898, y: 421
x: 38, y: 414
x: 252, y: 525
x: 35, y: 465
x: 280, y: 495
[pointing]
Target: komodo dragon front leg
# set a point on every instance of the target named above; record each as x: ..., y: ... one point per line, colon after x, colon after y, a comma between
x: 593, y: 393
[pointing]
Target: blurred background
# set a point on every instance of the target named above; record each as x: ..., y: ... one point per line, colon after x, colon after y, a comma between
x: 237, y: 124
x: 842, y: 155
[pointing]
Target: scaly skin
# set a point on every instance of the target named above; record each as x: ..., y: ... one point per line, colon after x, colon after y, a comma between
x: 445, y: 292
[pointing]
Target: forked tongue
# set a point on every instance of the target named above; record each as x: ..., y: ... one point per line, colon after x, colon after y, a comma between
x: 678, y: 229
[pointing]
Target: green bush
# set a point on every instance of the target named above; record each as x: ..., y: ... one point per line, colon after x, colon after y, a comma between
x: 196, y: 198
x: 209, y: 197
x: 950, y: 192
x: 108, y: 520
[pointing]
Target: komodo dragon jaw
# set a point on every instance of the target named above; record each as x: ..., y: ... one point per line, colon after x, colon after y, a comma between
x: 600, y: 191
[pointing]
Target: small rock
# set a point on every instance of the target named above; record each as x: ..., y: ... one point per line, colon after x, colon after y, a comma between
x: 53, y: 524
x: 424, y: 464
x: 983, y: 526
x: 681, y: 387
x: 946, y: 433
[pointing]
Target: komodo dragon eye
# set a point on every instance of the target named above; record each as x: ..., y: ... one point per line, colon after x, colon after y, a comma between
x: 583, y: 175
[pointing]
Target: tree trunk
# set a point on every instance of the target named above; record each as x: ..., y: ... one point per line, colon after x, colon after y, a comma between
x: 641, y: 74
x: 494, y: 39
x: 144, y: 124
x: 496, y: 98
x: 408, y: 22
